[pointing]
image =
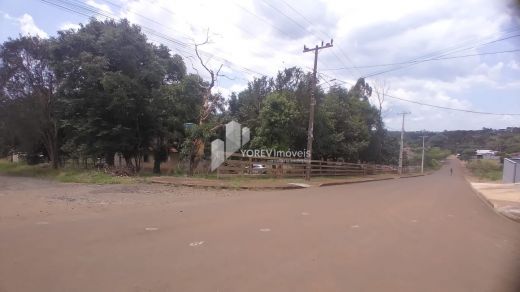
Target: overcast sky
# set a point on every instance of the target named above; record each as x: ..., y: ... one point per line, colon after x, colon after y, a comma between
x: 258, y: 37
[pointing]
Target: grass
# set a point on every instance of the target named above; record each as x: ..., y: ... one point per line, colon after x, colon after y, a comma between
x: 485, y: 169
x: 63, y: 174
x: 75, y: 175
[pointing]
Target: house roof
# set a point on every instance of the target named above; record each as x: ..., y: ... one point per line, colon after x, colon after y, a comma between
x: 484, y: 152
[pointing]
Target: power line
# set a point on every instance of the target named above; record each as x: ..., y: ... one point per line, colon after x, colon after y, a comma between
x: 427, y: 60
x: 262, y: 19
x: 149, y: 19
x: 303, y: 27
x: 287, y: 16
x: 327, y: 36
x: 439, y: 53
x: 229, y: 63
x: 149, y: 30
x: 241, y: 28
x: 324, y: 80
x: 419, y: 60
x: 453, y: 109
x: 438, y: 106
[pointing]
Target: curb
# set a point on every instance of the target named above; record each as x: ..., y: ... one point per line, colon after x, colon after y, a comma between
x: 414, y: 175
x: 481, y: 196
x: 486, y: 201
x: 368, y: 180
x: 353, y: 182
x: 225, y: 187
x: 287, y: 187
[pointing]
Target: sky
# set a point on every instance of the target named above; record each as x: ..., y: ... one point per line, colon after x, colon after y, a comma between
x: 252, y: 38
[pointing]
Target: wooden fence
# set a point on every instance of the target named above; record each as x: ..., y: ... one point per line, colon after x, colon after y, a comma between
x: 236, y: 165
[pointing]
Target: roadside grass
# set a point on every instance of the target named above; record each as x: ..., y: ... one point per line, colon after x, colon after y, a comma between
x: 485, y: 169
x: 64, y: 174
x: 76, y: 175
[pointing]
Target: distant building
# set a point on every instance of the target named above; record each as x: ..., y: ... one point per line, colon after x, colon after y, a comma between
x: 486, y: 154
x: 515, y: 155
x: 511, y: 172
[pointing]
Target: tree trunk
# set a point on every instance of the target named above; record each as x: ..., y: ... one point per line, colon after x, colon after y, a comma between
x: 55, y: 161
x: 129, y: 165
x: 197, y: 155
x: 157, y: 164
x: 137, y: 160
x: 109, y: 158
x: 50, y: 142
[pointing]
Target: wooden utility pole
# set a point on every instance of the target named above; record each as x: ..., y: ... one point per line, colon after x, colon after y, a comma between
x: 422, y: 160
x: 310, y: 134
x: 400, y: 169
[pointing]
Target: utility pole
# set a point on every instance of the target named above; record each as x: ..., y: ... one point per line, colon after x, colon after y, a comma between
x: 310, y: 134
x: 400, y: 169
x: 422, y: 160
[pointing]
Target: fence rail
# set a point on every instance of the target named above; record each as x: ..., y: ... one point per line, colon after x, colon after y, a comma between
x: 237, y: 165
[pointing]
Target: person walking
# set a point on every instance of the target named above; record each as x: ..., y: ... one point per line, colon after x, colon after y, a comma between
x: 451, y: 171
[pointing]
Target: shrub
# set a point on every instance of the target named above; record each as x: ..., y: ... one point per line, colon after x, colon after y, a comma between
x: 485, y: 169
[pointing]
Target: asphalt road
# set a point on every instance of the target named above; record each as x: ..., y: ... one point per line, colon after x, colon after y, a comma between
x: 427, y: 233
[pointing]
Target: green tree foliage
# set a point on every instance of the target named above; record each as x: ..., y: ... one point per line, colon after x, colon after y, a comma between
x: 104, y: 89
x: 352, y: 119
x: 346, y: 124
x: 277, y: 121
x: 28, y: 98
x: 433, y: 157
x: 250, y: 101
x: 465, y: 142
x: 112, y: 93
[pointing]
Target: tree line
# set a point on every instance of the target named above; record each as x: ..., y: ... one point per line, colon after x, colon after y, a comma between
x: 105, y: 88
x: 464, y: 142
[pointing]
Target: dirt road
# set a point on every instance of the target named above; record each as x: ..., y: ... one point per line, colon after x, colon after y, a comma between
x: 427, y: 233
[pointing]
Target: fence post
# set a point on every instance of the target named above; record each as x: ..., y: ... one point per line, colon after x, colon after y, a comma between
x: 515, y: 166
x: 250, y: 166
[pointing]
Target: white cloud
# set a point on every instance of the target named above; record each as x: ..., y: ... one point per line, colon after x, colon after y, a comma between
x: 69, y: 25
x: 27, y: 25
x: 255, y: 38
x: 514, y: 65
x: 227, y: 91
x: 101, y: 6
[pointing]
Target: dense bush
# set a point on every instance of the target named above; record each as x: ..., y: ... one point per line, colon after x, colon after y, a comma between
x: 485, y: 169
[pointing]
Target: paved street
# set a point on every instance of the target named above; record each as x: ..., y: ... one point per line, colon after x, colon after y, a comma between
x: 428, y: 233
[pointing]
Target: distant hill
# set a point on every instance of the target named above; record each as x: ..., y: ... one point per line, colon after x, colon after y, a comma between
x: 506, y: 141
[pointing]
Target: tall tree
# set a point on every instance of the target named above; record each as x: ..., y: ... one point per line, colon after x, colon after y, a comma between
x: 211, y: 103
x: 28, y: 96
x: 167, y: 107
x: 375, y: 149
x: 277, y: 119
x: 174, y: 105
x: 233, y: 105
x: 250, y: 101
x: 110, y: 74
x: 351, y: 118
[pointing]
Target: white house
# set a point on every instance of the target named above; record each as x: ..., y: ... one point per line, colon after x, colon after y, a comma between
x: 486, y: 154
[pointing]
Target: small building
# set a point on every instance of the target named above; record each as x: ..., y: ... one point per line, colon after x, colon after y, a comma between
x: 511, y: 172
x: 486, y: 154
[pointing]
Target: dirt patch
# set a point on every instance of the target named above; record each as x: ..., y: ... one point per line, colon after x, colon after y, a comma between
x: 24, y: 198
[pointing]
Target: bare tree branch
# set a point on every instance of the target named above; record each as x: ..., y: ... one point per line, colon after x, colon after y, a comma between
x: 381, y: 89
